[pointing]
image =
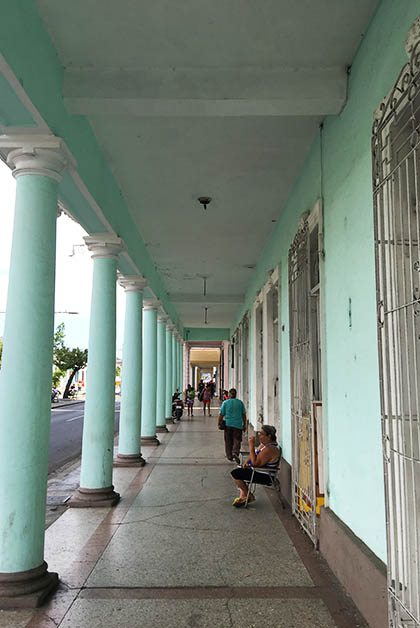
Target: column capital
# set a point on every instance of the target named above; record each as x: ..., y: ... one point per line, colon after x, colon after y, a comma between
x: 169, y: 326
x: 104, y: 245
x: 132, y: 283
x: 162, y: 317
x: 150, y: 304
x: 41, y: 154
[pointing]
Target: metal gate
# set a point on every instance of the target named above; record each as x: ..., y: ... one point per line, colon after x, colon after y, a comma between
x: 396, y: 186
x: 303, y: 471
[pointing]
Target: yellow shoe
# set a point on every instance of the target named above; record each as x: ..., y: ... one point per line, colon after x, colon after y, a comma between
x: 238, y: 502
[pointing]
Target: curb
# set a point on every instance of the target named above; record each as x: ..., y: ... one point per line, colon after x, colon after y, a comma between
x: 55, y: 406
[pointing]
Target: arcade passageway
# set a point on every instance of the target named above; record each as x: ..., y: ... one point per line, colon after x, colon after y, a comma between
x: 175, y: 553
x: 249, y: 173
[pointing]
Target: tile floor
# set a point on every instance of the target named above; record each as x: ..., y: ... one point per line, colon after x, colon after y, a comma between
x: 175, y: 553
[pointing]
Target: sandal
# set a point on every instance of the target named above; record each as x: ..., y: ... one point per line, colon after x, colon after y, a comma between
x: 251, y: 498
x: 238, y: 502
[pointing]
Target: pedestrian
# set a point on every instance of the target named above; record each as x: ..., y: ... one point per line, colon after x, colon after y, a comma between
x: 200, y: 390
x: 213, y: 387
x: 189, y: 396
x: 234, y: 413
x: 206, y: 398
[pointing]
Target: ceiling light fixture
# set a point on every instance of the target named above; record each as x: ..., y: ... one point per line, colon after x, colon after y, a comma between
x: 205, y: 316
x: 204, y: 278
x: 204, y: 200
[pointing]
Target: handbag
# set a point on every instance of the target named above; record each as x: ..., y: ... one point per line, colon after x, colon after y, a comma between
x: 222, y: 425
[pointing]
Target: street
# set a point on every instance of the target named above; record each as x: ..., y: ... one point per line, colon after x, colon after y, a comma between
x: 66, y: 433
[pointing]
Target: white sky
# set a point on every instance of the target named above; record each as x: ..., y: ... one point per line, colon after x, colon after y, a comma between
x: 73, y: 272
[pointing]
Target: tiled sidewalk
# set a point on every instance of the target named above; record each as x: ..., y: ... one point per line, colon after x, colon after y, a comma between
x: 175, y: 553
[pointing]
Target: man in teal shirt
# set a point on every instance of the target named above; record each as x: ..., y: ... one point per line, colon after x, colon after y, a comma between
x: 234, y: 413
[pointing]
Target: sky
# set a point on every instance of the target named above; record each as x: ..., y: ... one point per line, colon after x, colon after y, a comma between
x: 74, y: 269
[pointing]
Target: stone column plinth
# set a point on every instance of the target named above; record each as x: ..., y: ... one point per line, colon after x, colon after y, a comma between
x: 25, y: 376
x: 149, y: 376
x: 96, y: 488
x: 161, y: 374
x: 129, y: 454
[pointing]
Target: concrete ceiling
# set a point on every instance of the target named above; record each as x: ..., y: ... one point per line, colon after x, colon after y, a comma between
x: 204, y: 357
x: 195, y: 98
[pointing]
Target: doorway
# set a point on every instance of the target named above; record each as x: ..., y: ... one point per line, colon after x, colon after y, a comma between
x: 396, y: 193
x: 306, y: 372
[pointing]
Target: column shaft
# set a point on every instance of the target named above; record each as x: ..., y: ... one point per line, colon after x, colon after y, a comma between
x: 96, y: 487
x: 25, y: 376
x: 161, y: 375
x: 169, y: 391
x: 174, y: 382
x: 181, y: 363
x: 148, y: 406
x: 177, y: 365
x: 130, y: 409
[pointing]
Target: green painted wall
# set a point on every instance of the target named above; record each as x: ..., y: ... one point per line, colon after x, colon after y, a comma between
x: 343, y: 179
x: 206, y: 333
x: 27, y: 48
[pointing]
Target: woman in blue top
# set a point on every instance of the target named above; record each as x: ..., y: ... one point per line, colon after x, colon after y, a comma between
x: 234, y: 414
x: 266, y: 456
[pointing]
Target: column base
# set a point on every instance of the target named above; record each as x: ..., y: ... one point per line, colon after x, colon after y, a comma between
x: 94, y: 498
x: 129, y: 460
x: 27, y: 589
x: 170, y: 419
x: 161, y: 428
x: 151, y: 441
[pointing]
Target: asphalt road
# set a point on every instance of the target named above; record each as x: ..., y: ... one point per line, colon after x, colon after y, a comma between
x: 66, y: 433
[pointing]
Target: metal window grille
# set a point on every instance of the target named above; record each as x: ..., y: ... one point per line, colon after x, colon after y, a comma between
x: 245, y: 360
x: 303, y: 471
x: 259, y: 363
x: 396, y: 187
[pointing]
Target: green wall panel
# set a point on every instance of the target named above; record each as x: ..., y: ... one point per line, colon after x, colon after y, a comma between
x: 203, y: 333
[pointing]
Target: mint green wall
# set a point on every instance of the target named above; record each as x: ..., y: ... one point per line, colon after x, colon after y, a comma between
x: 205, y: 333
x: 27, y: 48
x: 356, y: 487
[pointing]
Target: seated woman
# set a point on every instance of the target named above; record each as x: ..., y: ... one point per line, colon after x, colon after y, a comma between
x: 267, y: 456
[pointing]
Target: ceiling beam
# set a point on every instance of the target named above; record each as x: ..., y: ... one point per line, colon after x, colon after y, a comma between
x: 206, y: 91
x: 206, y: 300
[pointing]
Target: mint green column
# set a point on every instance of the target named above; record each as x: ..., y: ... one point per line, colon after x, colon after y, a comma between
x: 178, y: 372
x: 181, y: 364
x: 25, y: 376
x: 174, y: 382
x: 161, y: 374
x: 96, y: 488
x: 130, y: 409
x: 169, y: 391
x: 148, y: 404
x: 177, y: 363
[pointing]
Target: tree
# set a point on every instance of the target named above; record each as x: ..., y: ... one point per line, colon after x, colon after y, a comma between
x: 66, y: 359
x: 57, y: 377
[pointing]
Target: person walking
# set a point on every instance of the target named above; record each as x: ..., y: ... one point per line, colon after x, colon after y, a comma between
x: 234, y: 413
x: 189, y: 396
x: 206, y: 399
